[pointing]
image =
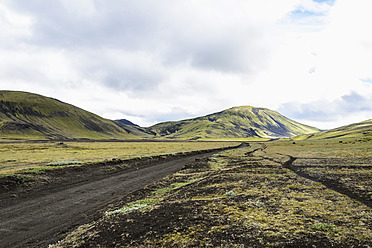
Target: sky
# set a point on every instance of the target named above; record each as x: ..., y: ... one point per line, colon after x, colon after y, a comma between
x: 152, y: 61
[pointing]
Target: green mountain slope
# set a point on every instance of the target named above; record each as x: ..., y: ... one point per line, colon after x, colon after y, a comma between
x: 235, y: 122
x: 356, y: 130
x: 132, y: 128
x: 27, y: 115
x: 126, y: 122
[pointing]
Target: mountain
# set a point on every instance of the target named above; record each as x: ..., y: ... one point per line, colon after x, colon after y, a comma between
x: 126, y: 122
x: 357, y: 130
x: 237, y: 122
x: 25, y: 114
x: 134, y: 129
x: 30, y: 116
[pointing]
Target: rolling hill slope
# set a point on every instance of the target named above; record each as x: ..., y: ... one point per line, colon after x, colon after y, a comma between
x: 30, y: 115
x: 357, y: 130
x: 238, y: 122
x: 134, y: 129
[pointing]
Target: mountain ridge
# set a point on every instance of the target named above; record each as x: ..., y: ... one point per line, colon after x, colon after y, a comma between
x: 33, y: 115
x: 361, y: 130
x: 243, y: 121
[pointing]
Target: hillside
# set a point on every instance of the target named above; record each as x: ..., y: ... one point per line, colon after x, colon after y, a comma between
x: 132, y: 128
x: 357, y: 130
x: 31, y: 116
x: 27, y: 115
x: 126, y: 122
x: 237, y: 122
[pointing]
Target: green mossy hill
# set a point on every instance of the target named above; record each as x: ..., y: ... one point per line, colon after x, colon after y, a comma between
x: 356, y: 130
x: 237, y: 122
x: 30, y: 116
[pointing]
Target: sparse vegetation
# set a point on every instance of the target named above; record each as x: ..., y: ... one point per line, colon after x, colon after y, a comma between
x: 324, y: 227
x: 19, y: 157
x: 313, y: 190
x: 137, y: 205
x: 59, y: 163
x: 245, y: 197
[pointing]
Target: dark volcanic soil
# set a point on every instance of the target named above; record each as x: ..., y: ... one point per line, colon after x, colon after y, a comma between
x: 73, y: 196
x: 239, y: 199
x: 349, y: 176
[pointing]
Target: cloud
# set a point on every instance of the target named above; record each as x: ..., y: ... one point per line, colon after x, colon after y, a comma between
x: 14, y: 26
x: 121, y: 70
x: 220, y: 36
x: 324, y: 112
x: 158, y: 60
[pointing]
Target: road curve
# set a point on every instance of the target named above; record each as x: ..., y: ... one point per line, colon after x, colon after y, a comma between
x: 43, y: 220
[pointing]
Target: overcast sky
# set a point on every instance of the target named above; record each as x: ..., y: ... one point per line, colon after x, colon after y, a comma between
x: 157, y: 60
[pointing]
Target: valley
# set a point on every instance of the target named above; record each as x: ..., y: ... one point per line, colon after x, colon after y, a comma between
x: 242, y: 177
x: 279, y: 193
x: 27, y: 116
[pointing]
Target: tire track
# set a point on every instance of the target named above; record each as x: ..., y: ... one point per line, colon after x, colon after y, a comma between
x: 326, y: 181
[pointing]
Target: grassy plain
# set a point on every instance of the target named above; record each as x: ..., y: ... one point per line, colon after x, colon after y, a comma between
x: 248, y: 139
x: 342, y: 164
x: 23, y: 157
x: 347, y: 147
x: 272, y: 194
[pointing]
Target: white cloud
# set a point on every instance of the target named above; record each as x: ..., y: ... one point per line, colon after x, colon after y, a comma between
x: 152, y: 61
x: 336, y: 56
x: 313, y: 7
x: 85, y: 8
x: 324, y: 113
x: 14, y: 27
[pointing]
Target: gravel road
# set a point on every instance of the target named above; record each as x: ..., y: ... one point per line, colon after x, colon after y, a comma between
x: 42, y: 218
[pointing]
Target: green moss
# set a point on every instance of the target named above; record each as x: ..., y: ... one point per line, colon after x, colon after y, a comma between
x: 59, y: 163
x: 230, y: 193
x: 324, y: 227
x: 133, y: 206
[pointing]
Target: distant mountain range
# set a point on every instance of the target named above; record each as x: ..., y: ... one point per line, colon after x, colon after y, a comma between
x: 30, y: 116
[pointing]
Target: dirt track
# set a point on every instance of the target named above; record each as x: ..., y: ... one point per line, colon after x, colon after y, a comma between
x: 40, y: 218
x: 243, y: 198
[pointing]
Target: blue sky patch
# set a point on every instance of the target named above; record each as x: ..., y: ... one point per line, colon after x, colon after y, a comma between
x: 330, y: 2
x: 366, y: 80
x: 304, y: 13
